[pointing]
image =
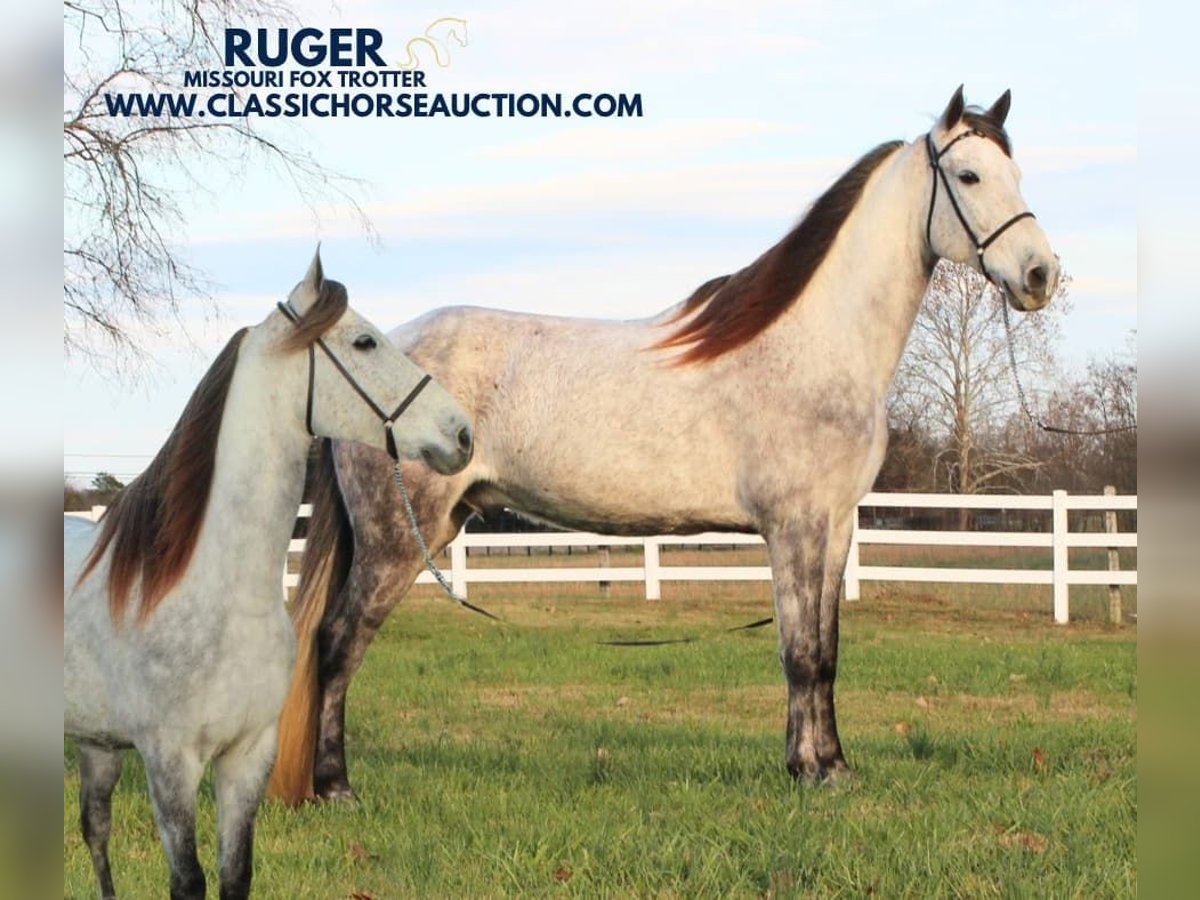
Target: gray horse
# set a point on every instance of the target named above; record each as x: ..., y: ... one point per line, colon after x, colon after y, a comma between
x: 175, y: 638
x: 757, y: 405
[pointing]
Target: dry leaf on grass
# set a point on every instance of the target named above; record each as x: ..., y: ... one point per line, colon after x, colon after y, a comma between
x: 563, y: 873
x: 1031, y: 841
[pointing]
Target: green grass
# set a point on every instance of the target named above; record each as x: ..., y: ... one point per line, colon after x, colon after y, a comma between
x: 994, y: 755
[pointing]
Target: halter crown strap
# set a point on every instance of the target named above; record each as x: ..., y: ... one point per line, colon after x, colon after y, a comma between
x: 387, y: 420
x: 939, y: 174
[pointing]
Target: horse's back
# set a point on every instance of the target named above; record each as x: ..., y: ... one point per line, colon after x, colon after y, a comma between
x: 579, y: 421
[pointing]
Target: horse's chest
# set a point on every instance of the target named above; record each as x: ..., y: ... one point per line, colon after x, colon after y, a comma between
x: 231, y: 680
x: 255, y: 666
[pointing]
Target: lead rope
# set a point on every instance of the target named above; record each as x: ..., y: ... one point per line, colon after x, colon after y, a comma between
x: 429, y: 563
x: 440, y: 577
x: 1012, y: 361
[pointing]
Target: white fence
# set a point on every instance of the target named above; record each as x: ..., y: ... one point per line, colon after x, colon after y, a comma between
x: 1059, y: 539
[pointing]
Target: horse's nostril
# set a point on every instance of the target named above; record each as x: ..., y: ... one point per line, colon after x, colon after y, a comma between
x: 465, y: 439
x: 1035, y: 280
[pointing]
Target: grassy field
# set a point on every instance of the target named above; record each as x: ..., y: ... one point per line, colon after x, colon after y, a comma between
x: 994, y: 755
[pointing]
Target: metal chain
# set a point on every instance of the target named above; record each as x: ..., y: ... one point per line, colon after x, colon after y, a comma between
x: 1012, y: 357
x: 429, y: 563
x: 462, y: 601
x: 1012, y: 360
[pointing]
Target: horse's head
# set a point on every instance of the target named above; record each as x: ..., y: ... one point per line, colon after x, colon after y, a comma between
x: 361, y: 388
x: 976, y: 213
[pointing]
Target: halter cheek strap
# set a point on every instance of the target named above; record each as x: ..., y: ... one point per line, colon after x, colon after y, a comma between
x: 939, y: 174
x: 388, y: 420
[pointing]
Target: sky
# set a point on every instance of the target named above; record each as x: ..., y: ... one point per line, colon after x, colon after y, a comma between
x: 750, y: 110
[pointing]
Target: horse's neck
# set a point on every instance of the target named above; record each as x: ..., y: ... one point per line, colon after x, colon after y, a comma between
x: 258, y: 479
x: 862, y: 302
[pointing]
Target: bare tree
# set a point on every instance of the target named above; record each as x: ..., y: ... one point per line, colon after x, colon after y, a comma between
x: 954, y: 381
x: 1102, y: 404
x: 125, y: 178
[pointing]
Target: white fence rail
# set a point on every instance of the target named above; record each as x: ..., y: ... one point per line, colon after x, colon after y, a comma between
x: 1059, y: 539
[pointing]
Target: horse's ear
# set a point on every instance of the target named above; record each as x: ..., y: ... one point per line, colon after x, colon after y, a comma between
x: 308, y: 290
x: 954, y: 109
x: 999, y: 111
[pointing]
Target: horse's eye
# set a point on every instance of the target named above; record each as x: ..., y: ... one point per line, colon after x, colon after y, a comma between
x: 968, y: 177
x: 364, y: 342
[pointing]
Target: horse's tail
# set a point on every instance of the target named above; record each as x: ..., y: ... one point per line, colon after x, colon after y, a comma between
x: 328, y: 552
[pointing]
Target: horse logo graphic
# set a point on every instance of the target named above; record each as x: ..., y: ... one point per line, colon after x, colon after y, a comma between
x: 437, y: 38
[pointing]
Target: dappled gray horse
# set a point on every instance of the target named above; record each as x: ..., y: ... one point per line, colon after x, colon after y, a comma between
x: 176, y: 642
x: 757, y: 405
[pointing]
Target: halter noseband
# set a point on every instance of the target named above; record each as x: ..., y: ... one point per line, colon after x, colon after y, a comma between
x: 388, y: 421
x: 935, y: 163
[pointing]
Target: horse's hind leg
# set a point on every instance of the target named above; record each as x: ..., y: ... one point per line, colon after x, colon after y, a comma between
x: 174, y: 776
x: 241, y: 776
x: 99, y: 771
x: 386, y: 563
x: 829, y: 745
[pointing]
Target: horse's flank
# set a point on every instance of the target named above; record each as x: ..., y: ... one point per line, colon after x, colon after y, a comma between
x: 154, y: 524
x: 733, y: 309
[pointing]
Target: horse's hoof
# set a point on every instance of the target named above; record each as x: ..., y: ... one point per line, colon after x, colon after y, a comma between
x: 806, y: 774
x: 838, y: 775
x: 340, y: 794
x: 835, y: 774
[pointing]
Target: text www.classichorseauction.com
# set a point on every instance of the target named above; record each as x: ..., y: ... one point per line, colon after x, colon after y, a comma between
x: 331, y: 71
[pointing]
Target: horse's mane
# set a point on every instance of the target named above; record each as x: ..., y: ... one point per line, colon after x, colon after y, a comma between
x: 732, y: 309
x: 154, y: 523
x: 980, y: 121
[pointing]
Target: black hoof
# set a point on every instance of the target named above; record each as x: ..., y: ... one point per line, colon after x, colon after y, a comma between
x: 831, y: 774
x: 338, y: 794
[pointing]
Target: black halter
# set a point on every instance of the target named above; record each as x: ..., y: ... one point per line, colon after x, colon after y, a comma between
x: 388, y: 421
x: 935, y: 163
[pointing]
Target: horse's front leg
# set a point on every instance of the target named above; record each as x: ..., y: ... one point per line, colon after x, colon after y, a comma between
x: 386, y: 562
x: 800, y: 551
x: 173, y: 774
x: 342, y: 642
x: 99, y: 771
x: 241, y: 777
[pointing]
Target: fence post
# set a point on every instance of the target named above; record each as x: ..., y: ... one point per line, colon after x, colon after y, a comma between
x: 604, y: 561
x: 1058, y: 507
x: 650, y: 555
x: 458, y: 564
x: 850, y: 581
x: 1114, y: 561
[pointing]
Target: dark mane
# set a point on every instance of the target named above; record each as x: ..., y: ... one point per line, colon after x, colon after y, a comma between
x: 735, y: 308
x: 332, y: 300
x: 980, y: 121
x: 153, y: 525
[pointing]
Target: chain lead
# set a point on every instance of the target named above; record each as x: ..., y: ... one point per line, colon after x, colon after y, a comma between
x: 1012, y: 360
x: 429, y: 563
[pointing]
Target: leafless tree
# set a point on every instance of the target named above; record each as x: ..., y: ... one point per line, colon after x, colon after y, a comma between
x: 1102, y: 401
x: 955, y: 383
x: 125, y: 178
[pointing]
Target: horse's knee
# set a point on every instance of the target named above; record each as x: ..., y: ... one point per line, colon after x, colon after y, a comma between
x: 804, y: 666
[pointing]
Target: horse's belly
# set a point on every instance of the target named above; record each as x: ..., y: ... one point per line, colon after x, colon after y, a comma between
x: 603, y: 504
